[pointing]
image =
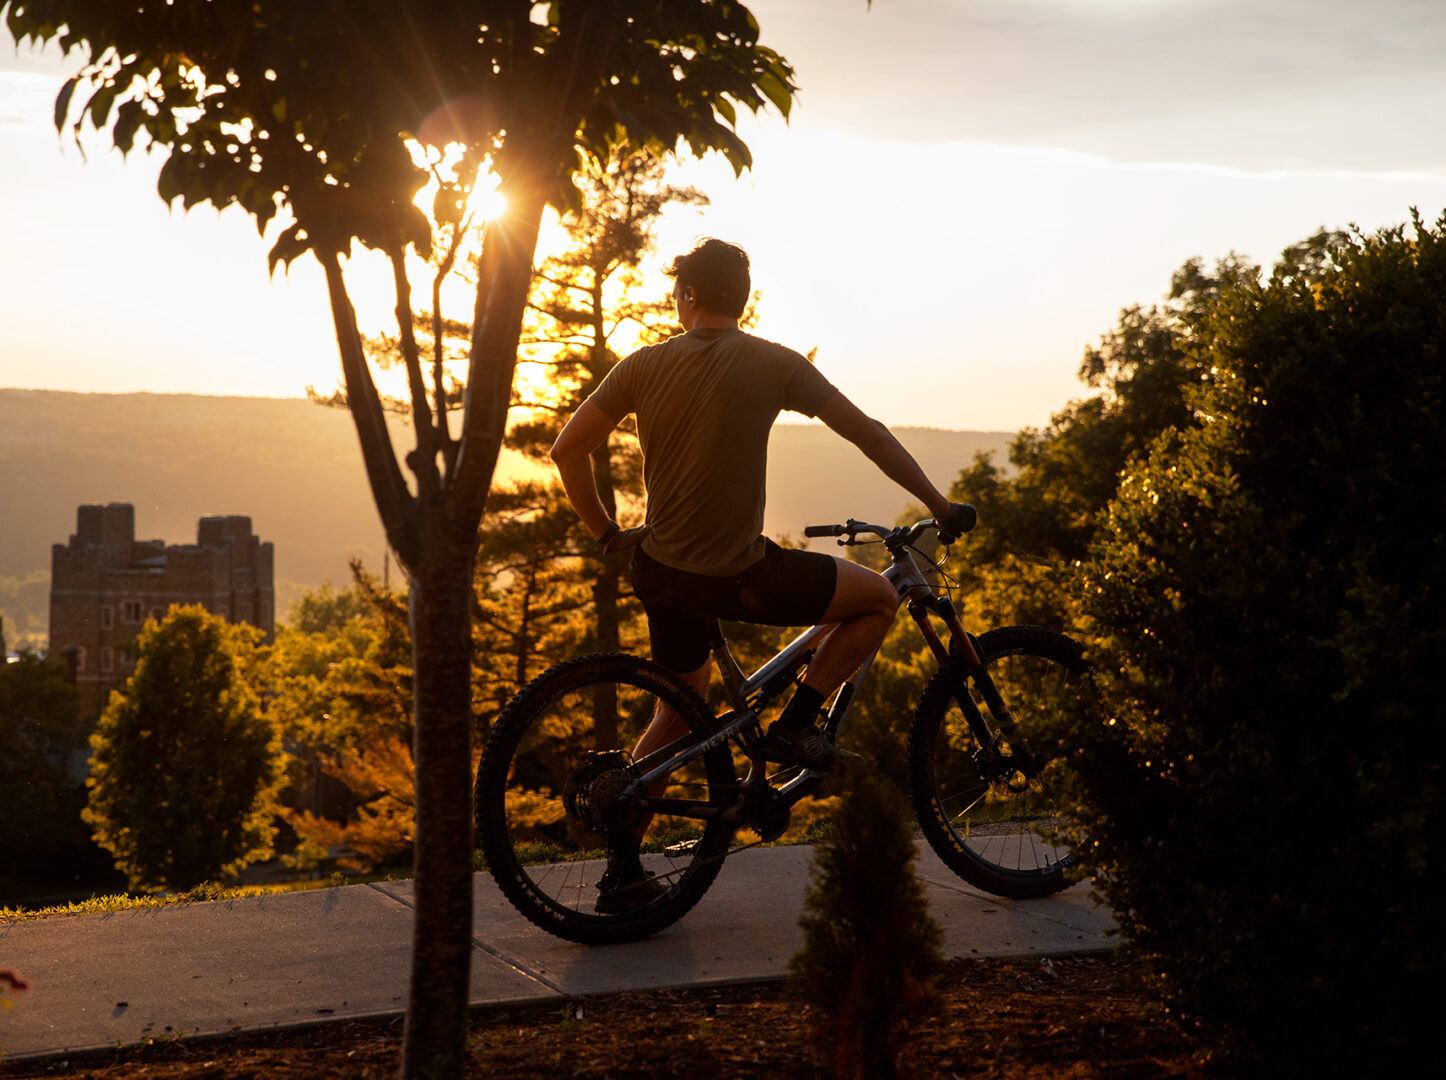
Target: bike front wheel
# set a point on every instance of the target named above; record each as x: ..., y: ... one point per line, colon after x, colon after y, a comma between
x: 546, y: 798
x: 996, y: 825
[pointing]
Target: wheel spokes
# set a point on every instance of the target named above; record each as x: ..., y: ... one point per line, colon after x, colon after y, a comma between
x: 1012, y: 830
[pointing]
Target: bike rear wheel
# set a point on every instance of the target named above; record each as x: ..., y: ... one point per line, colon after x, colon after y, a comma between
x: 995, y: 827
x: 542, y: 788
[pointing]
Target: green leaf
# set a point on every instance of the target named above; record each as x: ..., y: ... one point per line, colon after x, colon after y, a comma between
x: 127, y: 122
x: 168, y: 183
x: 777, y: 91
x: 62, y: 101
x: 289, y: 245
x: 99, y: 105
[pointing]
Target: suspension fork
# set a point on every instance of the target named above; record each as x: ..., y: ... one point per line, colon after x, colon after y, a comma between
x: 965, y: 646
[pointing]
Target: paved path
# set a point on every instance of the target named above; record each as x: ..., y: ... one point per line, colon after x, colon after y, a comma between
x: 298, y: 958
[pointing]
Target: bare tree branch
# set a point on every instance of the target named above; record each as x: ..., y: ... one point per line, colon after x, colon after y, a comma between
x: 424, y: 461
x: 389, y: 487
x: 439, y: 333
x: 559, y: 282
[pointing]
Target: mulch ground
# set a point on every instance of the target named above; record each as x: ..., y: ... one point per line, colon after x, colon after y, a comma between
x: 1086, y: 1016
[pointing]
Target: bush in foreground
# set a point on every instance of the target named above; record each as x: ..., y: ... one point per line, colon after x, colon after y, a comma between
x: 185, y: 769
x: 1266, y: 789
x: 870, y: 948
x: 42, y: 746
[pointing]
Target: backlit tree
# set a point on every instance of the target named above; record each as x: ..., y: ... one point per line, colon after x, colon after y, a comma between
x: 308, y: 116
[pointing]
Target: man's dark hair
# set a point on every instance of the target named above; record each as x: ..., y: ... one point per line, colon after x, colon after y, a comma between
x: 717, y: 272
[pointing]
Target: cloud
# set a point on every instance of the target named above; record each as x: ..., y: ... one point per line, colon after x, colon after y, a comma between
x: 1288, y: 84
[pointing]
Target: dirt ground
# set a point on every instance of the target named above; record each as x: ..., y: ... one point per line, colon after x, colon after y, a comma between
x: 1086, y: 1016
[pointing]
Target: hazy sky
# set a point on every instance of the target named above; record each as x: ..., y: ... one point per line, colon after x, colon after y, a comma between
x: 967, y: 194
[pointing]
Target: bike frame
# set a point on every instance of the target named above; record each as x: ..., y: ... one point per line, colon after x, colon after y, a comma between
x: 750, y: 694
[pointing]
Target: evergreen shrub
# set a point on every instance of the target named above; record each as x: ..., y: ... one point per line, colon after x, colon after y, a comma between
x: 1264, y: 791
x: 870, y: 947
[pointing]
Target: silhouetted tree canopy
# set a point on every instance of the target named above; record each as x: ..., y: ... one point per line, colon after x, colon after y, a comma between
x: 42, y: 757
x: 1265, y: 593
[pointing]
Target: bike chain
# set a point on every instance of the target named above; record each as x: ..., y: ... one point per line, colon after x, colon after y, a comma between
x: 708, y: 862
x: 731, y: 851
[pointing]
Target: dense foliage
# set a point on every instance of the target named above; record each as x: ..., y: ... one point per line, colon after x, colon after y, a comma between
x: 870, y: 948
x: 1039, y: 516
x: 42, y: 770
x: 1265, y: 591
x: 184, y: 768
x: 337, y: 683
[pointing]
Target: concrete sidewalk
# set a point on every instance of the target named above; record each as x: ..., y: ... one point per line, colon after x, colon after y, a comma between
x: 297, y: 958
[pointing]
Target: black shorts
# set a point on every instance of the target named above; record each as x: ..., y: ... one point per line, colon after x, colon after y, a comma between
x: 786, y: 587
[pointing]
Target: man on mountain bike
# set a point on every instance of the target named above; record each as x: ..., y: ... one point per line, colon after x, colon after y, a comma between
x: 705, y: 401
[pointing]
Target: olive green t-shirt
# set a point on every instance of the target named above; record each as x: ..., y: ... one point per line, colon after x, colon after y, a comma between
x: 705, y: 402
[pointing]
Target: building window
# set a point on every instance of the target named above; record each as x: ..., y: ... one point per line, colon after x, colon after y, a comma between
x: 126, y: 660
x: 107, y: 616
x: 131, y: 611
x: 80, y: 658
x: 107, y: 660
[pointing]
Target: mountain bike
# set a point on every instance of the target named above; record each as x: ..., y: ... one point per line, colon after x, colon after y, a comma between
x: 557, y: 785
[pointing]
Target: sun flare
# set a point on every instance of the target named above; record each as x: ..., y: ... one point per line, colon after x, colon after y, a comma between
x: 484, y: 203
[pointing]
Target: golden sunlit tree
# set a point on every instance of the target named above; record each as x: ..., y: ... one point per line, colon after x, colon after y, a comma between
x: 185, y: 767
x: 314, y: 118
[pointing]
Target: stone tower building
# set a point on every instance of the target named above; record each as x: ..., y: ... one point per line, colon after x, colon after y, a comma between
x: 105, y: 583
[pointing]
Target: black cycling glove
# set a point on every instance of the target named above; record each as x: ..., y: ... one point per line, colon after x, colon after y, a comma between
x: 958, y: 521
x: 619, y: 539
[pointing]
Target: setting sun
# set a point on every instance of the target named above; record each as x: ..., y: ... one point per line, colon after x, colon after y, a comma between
x: 486, y: 202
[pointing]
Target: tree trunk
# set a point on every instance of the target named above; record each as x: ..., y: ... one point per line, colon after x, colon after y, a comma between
x: 605, y: 592
x: 523, y: 642
x: 435, y: 1043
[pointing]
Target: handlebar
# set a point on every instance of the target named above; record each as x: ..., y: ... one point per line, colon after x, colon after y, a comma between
x: 901, y: 535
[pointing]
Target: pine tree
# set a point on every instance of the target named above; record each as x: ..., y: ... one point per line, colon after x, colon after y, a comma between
x: 588, y: 307
x: 184, y: 768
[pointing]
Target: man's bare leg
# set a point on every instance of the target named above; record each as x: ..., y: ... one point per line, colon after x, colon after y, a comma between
x: 624, y: 885
x: 666, y: 725
x: 863, y: 606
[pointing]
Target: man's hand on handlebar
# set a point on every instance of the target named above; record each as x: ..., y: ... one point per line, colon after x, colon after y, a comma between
x: 958, y: 521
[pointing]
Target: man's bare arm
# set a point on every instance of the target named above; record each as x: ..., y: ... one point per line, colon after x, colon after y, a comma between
x: 588, y: 429
x: 879, y: 445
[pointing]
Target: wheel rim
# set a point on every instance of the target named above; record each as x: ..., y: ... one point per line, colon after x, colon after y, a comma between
x: 1014, y: 828
x: 557, y: 856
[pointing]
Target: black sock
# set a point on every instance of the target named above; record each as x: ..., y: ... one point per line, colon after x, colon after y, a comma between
x: 801, y: 710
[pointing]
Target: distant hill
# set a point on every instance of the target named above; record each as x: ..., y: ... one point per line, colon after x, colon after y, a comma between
x: 294, y: 467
